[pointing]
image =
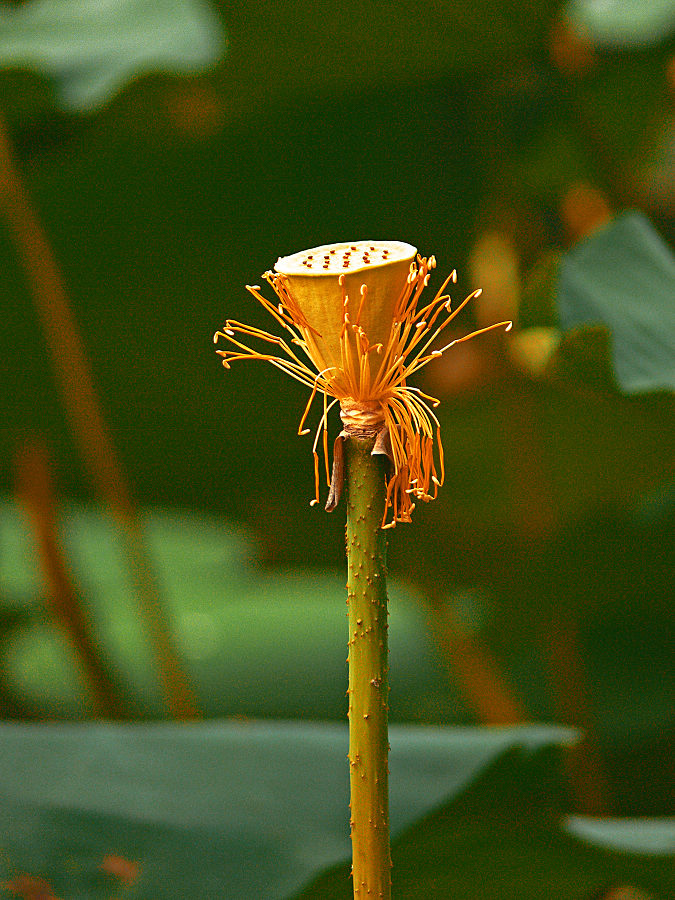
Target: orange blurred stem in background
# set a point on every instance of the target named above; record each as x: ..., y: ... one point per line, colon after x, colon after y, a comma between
x: 483, y: 684
x: 76, y: 384
x: 568, y: 685
x: 36, y: 491
x: 535, y: 517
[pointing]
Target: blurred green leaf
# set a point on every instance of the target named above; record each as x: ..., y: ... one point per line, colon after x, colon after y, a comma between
x: 91, y: 49
x: 627, y: 24
x: 622, y: 277
x: 192, y: 552
x: 20, y: 580
x: 503, y: 840
x: 648, y: 836
x: 612, y: 296
x: 236, y: 810
x: 256, y: 644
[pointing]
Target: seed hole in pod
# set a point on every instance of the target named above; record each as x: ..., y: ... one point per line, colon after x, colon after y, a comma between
x: 364, y: 254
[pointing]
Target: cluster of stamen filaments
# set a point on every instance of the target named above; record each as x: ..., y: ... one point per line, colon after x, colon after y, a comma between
x: 368, y: 376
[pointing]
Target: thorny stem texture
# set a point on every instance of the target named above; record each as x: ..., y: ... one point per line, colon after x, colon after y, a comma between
x: 368, y: 671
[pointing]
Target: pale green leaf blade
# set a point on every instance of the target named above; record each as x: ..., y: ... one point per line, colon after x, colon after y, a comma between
x: 91, y: 50
x: 622, y: 277
x: 224, y: 809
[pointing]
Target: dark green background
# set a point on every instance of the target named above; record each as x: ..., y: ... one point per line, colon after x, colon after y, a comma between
x: 337, y: 121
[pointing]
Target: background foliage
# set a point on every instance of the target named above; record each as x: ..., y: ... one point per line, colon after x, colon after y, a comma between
x: 538, y: 586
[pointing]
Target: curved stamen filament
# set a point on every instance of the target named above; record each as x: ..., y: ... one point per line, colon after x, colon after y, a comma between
x: 318, y: 378
x: 323, y: 425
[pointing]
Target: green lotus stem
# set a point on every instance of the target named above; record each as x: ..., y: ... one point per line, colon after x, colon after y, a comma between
x: 368, y: 670
x: 352, y: 309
